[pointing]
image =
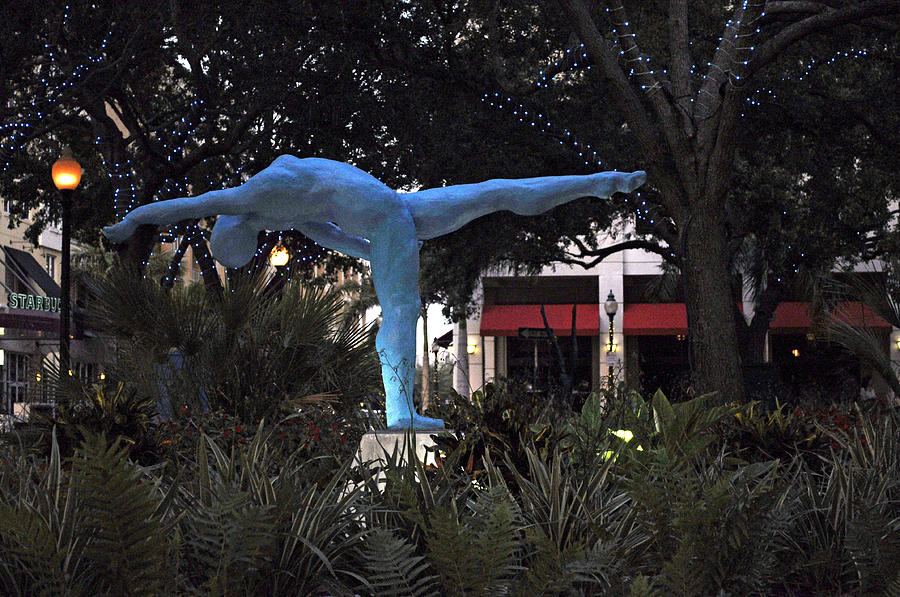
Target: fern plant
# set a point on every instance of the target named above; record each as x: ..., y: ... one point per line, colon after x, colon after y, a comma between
x: 126, y: 542
x: 475, y: 551
x: 95, y: 527
x: 393, y: 569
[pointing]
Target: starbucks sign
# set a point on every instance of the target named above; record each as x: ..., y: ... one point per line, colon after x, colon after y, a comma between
x: 31, y: 302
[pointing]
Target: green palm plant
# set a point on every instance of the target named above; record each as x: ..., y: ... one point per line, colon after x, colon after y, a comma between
x: 111, y: 409
x: 249, y: 351
x: 361, y: 295
x: 845, y: 530
x: 842, y: 328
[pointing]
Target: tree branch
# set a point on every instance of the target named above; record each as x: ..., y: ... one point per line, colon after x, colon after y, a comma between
x: 728, y: 57
x: 659, y: 101
x: 781, y: 8
x: 680, y: 62
x: 604, y: 252
x: 628, y: 101
x: 819, y: 22
x: 168, y: 280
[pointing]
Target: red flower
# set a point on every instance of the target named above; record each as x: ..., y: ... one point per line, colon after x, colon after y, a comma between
x: 226, y: 433
x: 238, y: 428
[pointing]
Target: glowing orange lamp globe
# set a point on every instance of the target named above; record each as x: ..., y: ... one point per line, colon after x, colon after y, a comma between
x: 66, y: 172
x: 279, y: 256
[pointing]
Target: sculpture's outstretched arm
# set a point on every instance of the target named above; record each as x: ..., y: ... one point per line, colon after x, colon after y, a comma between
x: 224, y: 202
x: 332, y: 237
x: 439, y: 211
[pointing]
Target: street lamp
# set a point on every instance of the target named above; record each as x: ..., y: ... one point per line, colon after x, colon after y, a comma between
x: 66, y: 174
x: 279, y: 256
x: 611, y: 306
x: 435, y: 348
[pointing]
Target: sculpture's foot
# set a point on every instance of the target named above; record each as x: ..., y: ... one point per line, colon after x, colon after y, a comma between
x: 637, y: 179
x: 119, y: 233
x: 634, y: 180
x: 417, y: 422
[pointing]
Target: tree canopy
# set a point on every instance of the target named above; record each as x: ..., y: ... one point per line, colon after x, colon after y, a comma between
x: 749, y: 118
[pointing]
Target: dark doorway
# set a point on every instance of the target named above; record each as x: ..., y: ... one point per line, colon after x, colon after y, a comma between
x: 663, y: 364
x: 815, y: 367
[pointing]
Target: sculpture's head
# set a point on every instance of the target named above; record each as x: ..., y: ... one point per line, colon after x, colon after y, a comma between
x: 233, y: 240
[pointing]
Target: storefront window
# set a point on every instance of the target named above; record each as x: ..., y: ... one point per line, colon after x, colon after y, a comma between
x: 536, y: 362
x: 15, y: 380
x: 50, y: 264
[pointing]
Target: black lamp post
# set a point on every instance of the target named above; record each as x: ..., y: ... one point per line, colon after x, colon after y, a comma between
x: 611, y: 306
x: 66, y: 174
x: 435, y: 348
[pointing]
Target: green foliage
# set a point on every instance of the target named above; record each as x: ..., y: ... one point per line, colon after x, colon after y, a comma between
x: 475, y: 551
x: 126, y: 542
x: 577, y: 532
x: 393, y: 569
x: 710, y: 523
x: 757, y: 435
x: 846, y: 527
x: 503, y: 418
x: 109, y: 409
x: 245, y: 515
x: 252, y: 352
x: 876, y: 293
x: 93, y: 528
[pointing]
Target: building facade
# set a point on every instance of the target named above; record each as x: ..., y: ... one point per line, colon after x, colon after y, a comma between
x: 506, y: 337
x: 29, y: 319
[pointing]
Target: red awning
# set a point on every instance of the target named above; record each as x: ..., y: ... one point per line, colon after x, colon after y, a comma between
x: 505, y: 320
x: 654, y: 319
x: 794, y: 317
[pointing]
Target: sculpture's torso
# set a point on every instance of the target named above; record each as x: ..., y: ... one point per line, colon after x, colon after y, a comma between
x: 299, y: 190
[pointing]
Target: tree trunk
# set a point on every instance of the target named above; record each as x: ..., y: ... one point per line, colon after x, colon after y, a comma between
x: 426, y: 365
x: 461, y: 374
x: 208, y: 270
x: 715, y: 360
x: 137, y: 250
x: 753, y: 344
x: 168, y: 280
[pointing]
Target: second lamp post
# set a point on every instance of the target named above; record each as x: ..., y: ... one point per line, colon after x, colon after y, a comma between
x: 611, y: 306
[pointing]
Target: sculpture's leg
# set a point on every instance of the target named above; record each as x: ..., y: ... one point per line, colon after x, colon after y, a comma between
x: 442, y: 210
x: 395, y: 271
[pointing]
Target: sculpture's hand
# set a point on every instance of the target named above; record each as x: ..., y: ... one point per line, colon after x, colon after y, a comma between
x: 119, y: 233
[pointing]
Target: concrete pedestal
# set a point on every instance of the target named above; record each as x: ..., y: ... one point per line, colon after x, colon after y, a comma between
x: 374, y: 445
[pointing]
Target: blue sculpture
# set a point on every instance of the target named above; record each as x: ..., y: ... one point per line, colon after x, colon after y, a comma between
x: 345, y: 209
